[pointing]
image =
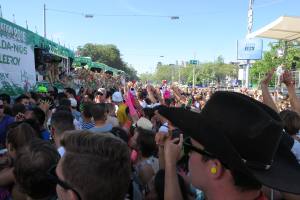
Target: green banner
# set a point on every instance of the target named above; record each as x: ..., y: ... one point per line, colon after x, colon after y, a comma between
x: 17, y: 64
x: 20, y: 34
x: 17, y: 70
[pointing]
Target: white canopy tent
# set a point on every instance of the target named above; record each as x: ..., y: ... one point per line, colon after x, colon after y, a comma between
x: 284, y: 28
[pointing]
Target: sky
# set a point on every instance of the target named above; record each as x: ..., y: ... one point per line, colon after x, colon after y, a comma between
x: 205, y: 28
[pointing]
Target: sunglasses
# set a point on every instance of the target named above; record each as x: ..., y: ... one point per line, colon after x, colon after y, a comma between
x: 53, y: 177
x: 1, y: 106
x: 188, y: 147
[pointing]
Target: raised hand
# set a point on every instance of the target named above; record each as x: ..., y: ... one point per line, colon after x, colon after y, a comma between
x: 45, y: 105
x: 173, y: 150
x: 287, y: 78
x: 267, y: 79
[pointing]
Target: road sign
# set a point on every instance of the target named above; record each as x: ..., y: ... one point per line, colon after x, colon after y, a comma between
x: 193, y: 62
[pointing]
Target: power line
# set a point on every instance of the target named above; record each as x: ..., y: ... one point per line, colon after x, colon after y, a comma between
x: 65, y: 11
x: 110, y: 15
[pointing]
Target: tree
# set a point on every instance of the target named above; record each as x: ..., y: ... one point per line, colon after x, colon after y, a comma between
x: 145, y: 77
x: 271, y: 59
x: 109, y: 55
x: 204, y: 73
x: 163, y: 72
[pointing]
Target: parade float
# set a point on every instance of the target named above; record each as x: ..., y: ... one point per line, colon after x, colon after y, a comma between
x: 28, y: 60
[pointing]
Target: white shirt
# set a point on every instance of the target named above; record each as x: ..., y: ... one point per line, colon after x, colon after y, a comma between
x: 279, y: 70
x: 296, y: 150
x: 61, y: 151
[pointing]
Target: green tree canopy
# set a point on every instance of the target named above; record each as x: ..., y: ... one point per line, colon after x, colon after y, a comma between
x: 271, y: 59
x: 109, y: 55
x: 204, y: 73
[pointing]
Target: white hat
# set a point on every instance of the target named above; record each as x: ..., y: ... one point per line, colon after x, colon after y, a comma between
x: 102, y: 90
x: 73, y: 102
x: 144, y: 123
x: 117, y: 97
x: 164, y: 128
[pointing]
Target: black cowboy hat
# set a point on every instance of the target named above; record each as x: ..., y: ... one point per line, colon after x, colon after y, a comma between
x: 244, y: 134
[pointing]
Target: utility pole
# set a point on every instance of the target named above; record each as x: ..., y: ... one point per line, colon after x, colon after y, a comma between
x: 45, y: 33
x: 194, y: 65
x: 1, y: 12
x: 179, y: 74
x: 249, y: 28
x: 193, y: 76
x: 250, y: 16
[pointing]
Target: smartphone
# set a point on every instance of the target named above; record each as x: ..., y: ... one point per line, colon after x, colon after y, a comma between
x: 176, y: 133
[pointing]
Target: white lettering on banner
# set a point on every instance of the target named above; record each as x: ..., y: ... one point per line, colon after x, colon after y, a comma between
x: 13, y: 32
x: 13, y: 47
x: 17, y: 67
x: 7, y: 59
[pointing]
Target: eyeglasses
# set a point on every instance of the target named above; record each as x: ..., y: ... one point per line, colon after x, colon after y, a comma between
x: 188, y: 147
x: 53, y: 177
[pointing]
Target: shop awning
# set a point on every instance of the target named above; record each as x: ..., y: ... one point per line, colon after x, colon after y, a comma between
x: 284, y: 28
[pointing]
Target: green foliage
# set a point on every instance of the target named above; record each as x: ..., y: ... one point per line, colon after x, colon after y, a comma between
x: 271, y: 60
x: 164, y: 72
x: 109, y: 55
x: 145, y: 77
x: 204, y: 73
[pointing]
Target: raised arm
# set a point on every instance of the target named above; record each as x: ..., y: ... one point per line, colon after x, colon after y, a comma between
x: 267, y: 99
x: 288, y: 81
x: 177, y: 95
x: 172, y: 154
x: 150, y: 90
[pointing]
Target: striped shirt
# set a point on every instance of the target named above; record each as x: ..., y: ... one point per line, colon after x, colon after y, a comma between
x: 87, y: 125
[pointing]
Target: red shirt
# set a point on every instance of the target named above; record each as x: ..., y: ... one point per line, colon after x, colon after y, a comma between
x: 261, y: 197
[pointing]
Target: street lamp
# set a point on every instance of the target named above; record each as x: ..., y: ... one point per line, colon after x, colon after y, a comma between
x: 88, y: 15
x: 174, y: 17
x: 70, y: 12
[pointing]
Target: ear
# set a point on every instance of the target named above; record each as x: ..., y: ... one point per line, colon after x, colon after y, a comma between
x: 10, y: 147
x: 72, y: 195
x: 216, y: 169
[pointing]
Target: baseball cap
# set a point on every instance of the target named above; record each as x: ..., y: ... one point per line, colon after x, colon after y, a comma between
x: 144, y: 123
x: 117, y: 97
x: 102, y: 90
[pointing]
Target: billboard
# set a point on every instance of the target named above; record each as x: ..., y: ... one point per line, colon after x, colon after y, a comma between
x: 17, y: 69
x: 250, y: 49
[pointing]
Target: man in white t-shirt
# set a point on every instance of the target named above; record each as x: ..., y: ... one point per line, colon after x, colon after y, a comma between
x: 279, y: 72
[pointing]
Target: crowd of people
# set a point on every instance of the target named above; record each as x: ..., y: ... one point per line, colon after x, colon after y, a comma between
x: 139, y: 141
